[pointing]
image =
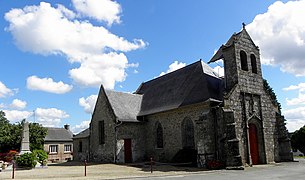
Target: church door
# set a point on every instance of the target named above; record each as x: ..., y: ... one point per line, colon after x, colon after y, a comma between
x: 253, y: 144
x: 127, y: 151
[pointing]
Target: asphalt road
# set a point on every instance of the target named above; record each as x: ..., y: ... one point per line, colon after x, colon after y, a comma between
x: 279, y: 171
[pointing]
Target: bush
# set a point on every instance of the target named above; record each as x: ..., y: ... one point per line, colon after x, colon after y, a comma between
x: 26, y: 160
x: 8, y: 157
x: 41, y: 156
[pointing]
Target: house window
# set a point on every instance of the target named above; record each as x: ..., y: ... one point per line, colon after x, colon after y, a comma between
x: 67, y: 148
x: 53, y: 149
x: 101, y: 132
x: 253, y: 63
x: 159, y: 135
x: 243, y: 60
x: 187, y: 130
x: 80, y: 146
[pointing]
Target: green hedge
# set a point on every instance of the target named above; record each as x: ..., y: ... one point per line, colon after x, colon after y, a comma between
x: 26, y: 160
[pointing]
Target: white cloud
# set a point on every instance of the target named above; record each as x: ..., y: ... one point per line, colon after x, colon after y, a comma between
x: 300, y: 87
x: 2, y: 105
x: 80, y: 127
x: 50, y: 117
x: 16, y: 115
x: 101, y: 10
x: 88, y: 103
x: 301, y: 96
x: 80, y: 41
x: 173, y: 67
x: 47, y: 85
x: 106, y: 69
x: 280, y: 34
x: 295, y: 118
x: 4, y: 91
x: 18, y: 104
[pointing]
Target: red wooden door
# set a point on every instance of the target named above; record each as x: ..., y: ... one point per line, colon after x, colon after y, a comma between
x: 253, y: 144
x: 127, y: 150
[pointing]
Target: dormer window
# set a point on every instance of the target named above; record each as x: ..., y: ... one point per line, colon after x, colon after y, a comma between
x: 253, y: 63
x: 243, y: 60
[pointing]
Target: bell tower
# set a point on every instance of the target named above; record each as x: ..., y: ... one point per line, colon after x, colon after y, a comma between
x: 246, y: 99
x: 241, y: 62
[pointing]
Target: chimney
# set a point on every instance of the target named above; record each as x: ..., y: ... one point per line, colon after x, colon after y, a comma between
x: 67, y: 127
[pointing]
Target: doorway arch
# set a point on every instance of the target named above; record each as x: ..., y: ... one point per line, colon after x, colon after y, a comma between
x: 187, y: 130
x: 256, y: 145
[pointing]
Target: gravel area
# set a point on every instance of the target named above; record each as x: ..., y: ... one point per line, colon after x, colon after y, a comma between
x: 74, y: 170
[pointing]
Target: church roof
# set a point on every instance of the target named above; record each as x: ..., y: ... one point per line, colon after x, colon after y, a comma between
x: 58, y: 134
x: 83, y: 134
x: 192, y: 84
x: 126, y: 106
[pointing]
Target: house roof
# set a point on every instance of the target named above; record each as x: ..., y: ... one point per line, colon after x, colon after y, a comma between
x: 83, y: 134
x: 58, y: 134
x: 126, y: 106
x: 192, y: 84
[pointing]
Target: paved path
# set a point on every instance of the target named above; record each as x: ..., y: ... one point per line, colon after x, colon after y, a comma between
x: 282, y: 171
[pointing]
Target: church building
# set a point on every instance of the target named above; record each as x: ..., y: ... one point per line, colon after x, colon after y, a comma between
x: 192, y: 115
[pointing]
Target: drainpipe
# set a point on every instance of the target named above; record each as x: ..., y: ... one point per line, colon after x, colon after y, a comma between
x: 116, y: 139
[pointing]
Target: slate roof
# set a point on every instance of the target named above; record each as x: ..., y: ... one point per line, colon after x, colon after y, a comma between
x: 58, y: 134
x: 126, y: 106
x: 84, y: 134
x: 189, y: 85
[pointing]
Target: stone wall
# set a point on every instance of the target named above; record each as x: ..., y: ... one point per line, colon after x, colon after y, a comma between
x: 135, y: 132
x: 204, y: 131
x: 83, y: 153
x: 103, y: 112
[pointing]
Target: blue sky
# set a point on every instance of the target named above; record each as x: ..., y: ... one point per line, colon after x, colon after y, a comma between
x: 55, y: 54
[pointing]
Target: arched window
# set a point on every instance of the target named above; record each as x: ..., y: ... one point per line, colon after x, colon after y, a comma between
x: 159, y: 135
x: 187, y: 130
x: 253, y: 63
x: 243, y: 60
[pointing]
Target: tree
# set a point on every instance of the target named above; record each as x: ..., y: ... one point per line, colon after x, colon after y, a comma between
x: 10, y: 135
x: 41, y: 156
x: 297, y: 139
x: 271, y: 93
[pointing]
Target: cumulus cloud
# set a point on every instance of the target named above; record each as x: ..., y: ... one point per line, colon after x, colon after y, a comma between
x: 101, y: 10
x: 173, y: 67
x: 300, y: 87
x: 88, y: 103
x: 295, y: 118
x: 280, y: 34
x: 16, y: 115
x: 4, y: 91
x: 301, y: 96
x: 80, y: 127
x: 18, y: 104
x: 98, y: 51
x: 47, y: 85
x: 50, y: 117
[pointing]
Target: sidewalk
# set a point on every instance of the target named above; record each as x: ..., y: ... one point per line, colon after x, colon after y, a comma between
x: 75, y: 170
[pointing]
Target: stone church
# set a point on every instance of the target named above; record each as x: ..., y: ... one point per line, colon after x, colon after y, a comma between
x: 192, y: 115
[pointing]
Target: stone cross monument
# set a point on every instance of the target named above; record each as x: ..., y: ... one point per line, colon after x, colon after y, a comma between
x: 25, y: 141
